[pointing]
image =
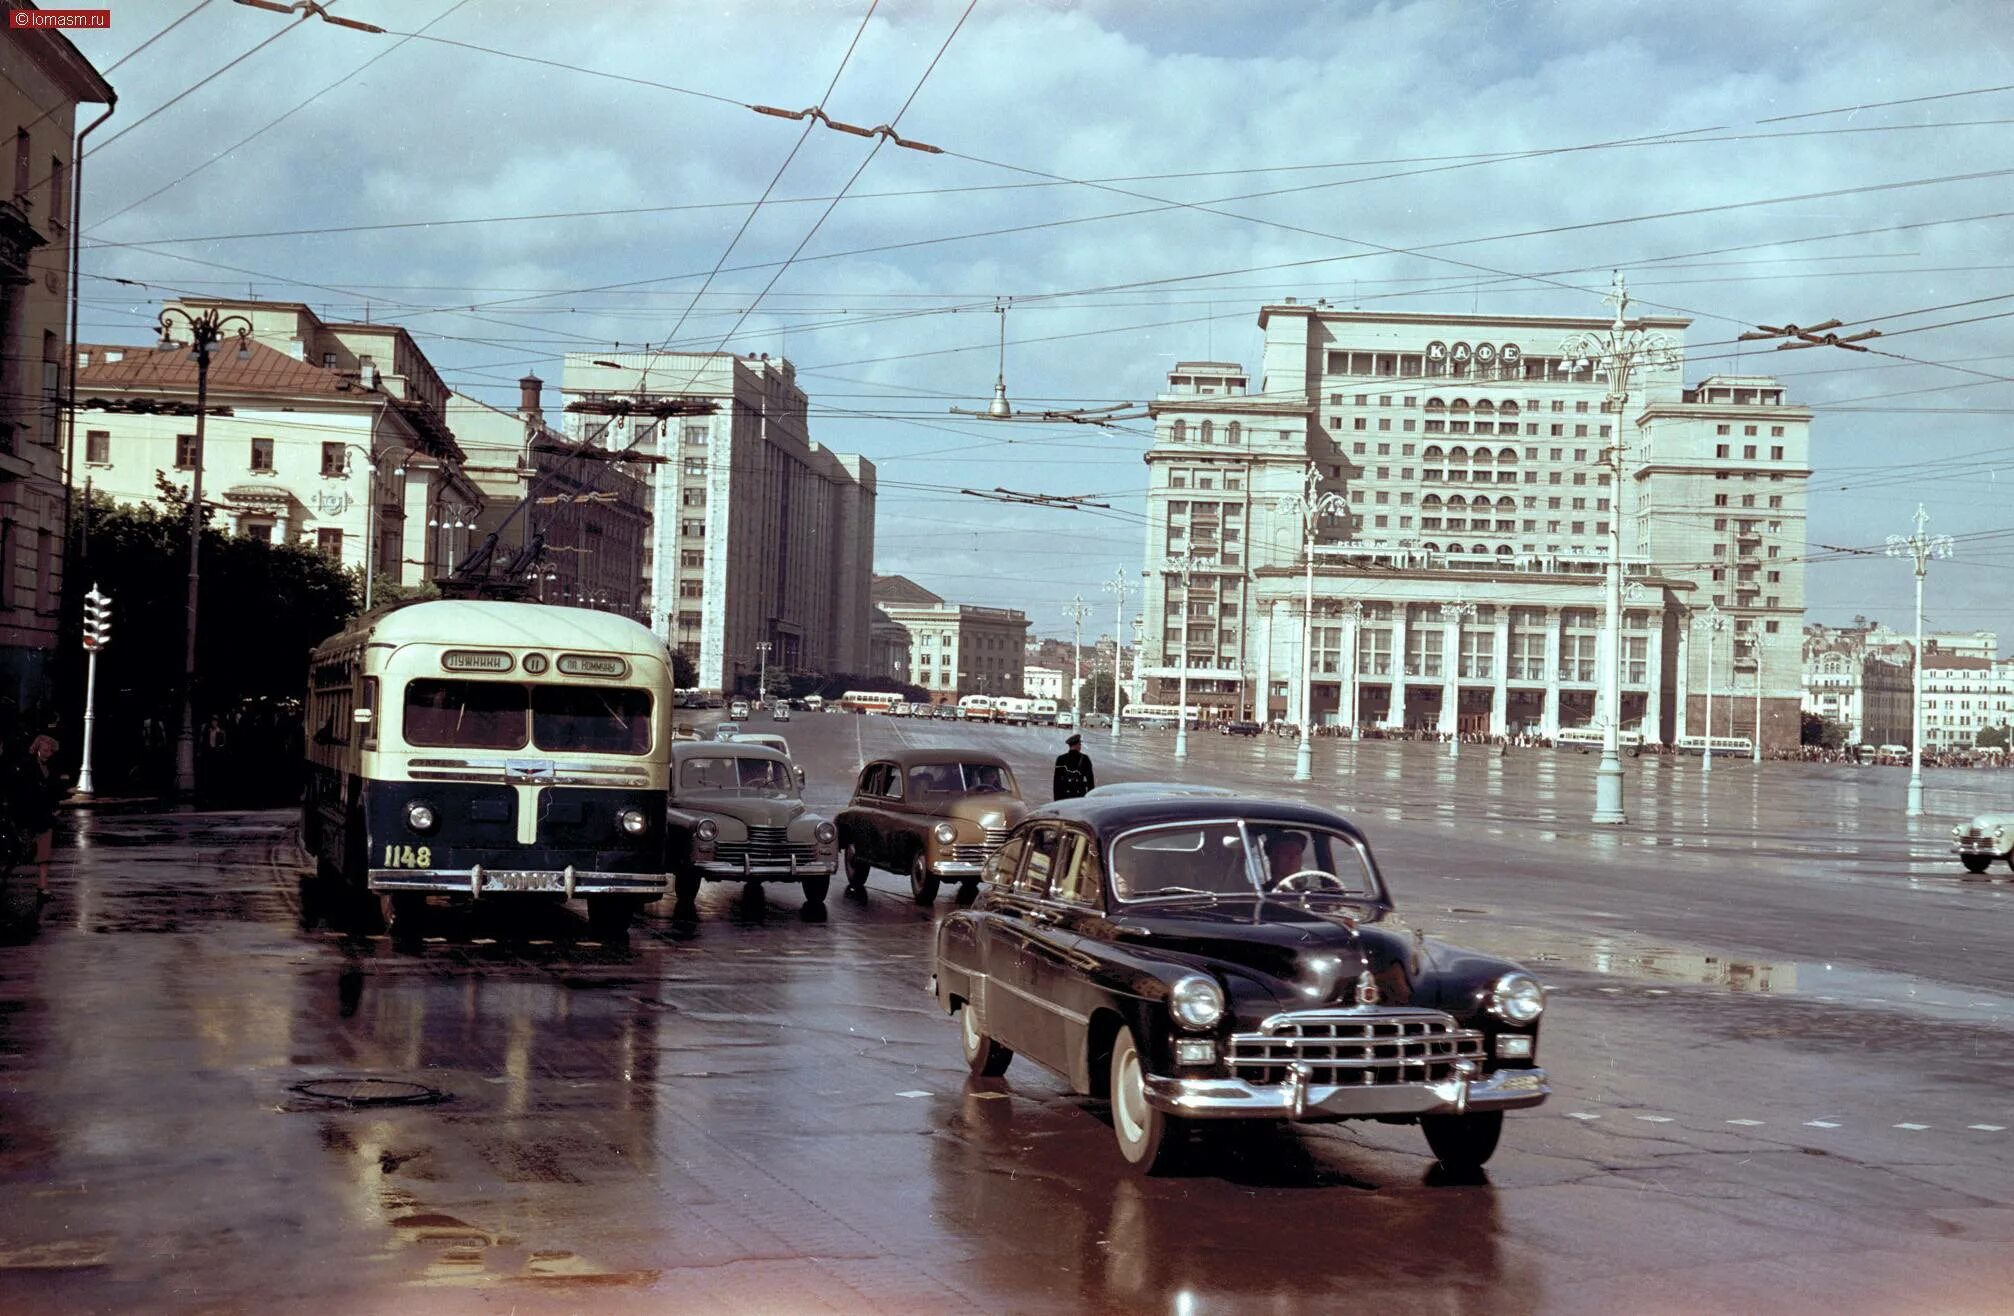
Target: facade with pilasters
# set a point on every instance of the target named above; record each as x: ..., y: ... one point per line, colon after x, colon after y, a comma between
x: 1458, y: 576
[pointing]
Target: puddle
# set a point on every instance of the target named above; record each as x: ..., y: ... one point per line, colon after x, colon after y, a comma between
x: 1641, y: 960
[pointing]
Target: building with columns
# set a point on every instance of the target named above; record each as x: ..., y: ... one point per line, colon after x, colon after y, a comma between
x: 956, y: 649
x: 1458, y: 578
x: 759, y: 533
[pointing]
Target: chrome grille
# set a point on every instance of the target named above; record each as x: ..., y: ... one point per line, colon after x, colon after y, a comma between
x: 1365, y: 1047
x: 969, y: 853
x: 765, y: 845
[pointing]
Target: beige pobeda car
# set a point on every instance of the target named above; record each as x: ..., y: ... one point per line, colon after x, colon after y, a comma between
x: 935, y: 814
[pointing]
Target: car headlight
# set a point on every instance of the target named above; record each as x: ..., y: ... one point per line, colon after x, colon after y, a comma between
x: 420, y: 817
x: 1518, y: 998
x: 706, y: 830
x: 945, y: 833
x: 1197, y: 1001
x: 633, y: 821
x: 826, y: 833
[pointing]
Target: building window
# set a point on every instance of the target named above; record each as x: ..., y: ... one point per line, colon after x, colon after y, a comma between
x: 692, y: 529
x: 695, y: 436
x: 329, y: 543
x: 259, y: 530
x: 692, y: 557
x: 1776, y: 431
x: 98, y: 447
x: 332, y: 459
x: 185, y: 452
x: 1776, y: 453
x: 328, y: 360
x: 262, y: 454
x: 1358, y: 423
x: 21, y: 166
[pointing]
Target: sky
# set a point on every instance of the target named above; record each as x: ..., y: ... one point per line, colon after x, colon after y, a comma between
x: 515, y: 179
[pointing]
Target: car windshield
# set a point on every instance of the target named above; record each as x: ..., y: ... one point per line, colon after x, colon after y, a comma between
x: 1230, y: 858
x: 742, y: 776
x: 927, y: 779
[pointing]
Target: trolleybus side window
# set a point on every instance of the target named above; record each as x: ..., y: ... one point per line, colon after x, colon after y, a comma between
x: 590, y: 720
x: 466, y: 714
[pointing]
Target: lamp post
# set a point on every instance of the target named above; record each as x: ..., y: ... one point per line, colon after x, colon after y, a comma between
x: 1454, y: 614
x: 1076, y: 612
x: 1921, y: 547
x: 1755, y: 650
x: 1712, y: 622
x: 1184, y: 567
x: 206, y: 330
x: 1617, y: 351
x: 1118, y: 587
x: 371, y: 513
x: 1353, y: 619
x: 762, y: 672
x: 1311, y: 504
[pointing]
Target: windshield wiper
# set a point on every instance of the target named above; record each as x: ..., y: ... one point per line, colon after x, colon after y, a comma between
x: 1176, y: 891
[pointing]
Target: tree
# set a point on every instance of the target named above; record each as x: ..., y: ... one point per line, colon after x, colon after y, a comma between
x: 684, y: 675
x: 1823, y: 732
x: 1098, y: 693
x: 1999, y: 737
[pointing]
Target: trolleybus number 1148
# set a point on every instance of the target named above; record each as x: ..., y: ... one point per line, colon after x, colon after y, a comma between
x: 409, y: 856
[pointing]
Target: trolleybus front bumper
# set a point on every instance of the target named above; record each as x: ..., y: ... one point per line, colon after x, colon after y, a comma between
x: 478, y: 881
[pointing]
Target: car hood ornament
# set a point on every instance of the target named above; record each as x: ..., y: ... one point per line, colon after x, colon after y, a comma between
x: 1367, y: 989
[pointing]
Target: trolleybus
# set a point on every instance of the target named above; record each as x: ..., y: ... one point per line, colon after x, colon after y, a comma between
x: 490, y: 750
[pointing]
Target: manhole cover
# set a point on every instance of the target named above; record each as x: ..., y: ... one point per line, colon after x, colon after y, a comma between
x: 369, y: 1092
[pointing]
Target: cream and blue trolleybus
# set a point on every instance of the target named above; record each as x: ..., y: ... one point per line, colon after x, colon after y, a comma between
x: 491, y: 750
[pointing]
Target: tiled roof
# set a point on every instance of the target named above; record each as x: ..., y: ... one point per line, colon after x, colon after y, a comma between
x: 146, y: 369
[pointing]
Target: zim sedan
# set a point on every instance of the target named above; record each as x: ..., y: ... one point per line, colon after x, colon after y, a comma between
x: 1198, y: 958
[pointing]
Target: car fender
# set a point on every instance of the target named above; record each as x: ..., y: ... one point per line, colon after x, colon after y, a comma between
x: 957, y: 957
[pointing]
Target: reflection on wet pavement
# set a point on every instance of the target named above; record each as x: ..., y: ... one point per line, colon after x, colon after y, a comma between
x: 769, y: 1115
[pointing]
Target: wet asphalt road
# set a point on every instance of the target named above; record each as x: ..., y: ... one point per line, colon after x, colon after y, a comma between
x: 1780, y: 1037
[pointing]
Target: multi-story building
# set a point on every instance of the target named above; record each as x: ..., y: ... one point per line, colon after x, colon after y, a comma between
x: 1460, y: 586
x: 42, y: 82
x: 330, y: 435
x: 1865, y: 690
x: 1044, y: 682
x: 591, y: 515
x: 759, y: 534
x: 1964, y: 695
x: 956, y: 649
x: 887, y: 647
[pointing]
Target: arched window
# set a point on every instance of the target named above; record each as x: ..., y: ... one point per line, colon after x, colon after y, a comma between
x: 1503, y: 550
x: 1506, y: 504
x: 1480, y: 550
x: 1486, y: 408
x: 1507, y: 454
x: 1206, y: 434
x: 1180, y: 433
x: 1431, y: 547
x: 1236, y: 434
x: 1456, y: 500
x: 1483, y: 455
x: 1435, y: 404
x: 1431, y: 500
x: 1508, y: 407
x: 1433, y: 453
x: 1461, y: 405
x: 1458, y: 454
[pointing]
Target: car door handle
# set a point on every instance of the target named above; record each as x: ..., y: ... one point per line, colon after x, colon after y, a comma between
x: 1044, y: 917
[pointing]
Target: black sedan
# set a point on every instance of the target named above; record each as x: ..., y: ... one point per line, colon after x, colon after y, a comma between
x: 1202, y: 957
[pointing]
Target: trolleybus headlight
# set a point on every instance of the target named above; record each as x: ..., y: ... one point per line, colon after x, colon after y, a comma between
x: 706, y: 830
x: 633, y: 821
x: 420, y: 817
x: 1517, y: 997
x: 826, y: 833
x: 946, y: 833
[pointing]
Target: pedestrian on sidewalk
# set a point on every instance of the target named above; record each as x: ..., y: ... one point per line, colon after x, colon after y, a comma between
x: 43, y: 789
x: 1074, y: 777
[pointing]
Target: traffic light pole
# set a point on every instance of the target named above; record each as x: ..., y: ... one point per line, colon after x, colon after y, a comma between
x: 85, y: 786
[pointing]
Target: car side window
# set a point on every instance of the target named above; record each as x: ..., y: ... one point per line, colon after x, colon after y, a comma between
x: 1002, y: 864
x: 870, y: 777
x: 1077, y: 878
x: 1041, y: 863
x: 891, y: 782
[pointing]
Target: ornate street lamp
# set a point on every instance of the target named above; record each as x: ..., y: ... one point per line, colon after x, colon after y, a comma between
x: 206, y: 330
x: 1712, y: 622
x: 1618, y: 351
x: 1311, y: 504
x: 1921, y: 547
x: 1184, y: 567
x: 1119, y: 586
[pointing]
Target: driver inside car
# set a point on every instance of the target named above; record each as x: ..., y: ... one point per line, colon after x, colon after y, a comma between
x: 1285, y: 852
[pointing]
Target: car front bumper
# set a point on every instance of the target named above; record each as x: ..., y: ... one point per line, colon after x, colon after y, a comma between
x: 478, y: 882
x: 958, y: 868
x: 759, y: 870
x: 1979, y: 844
x: 1295, y: 1099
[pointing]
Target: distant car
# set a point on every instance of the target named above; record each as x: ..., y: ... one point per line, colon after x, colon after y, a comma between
x: 1240, y: 728
x: 1987, y: 837
x: 1097, y: 722
x: 773, y: 741
x: 715, y: 701
x: 779, y: 712
x: 738, y: 710
x: 1066, y: 718
x: 935, y: 814
x: 736, y: 814
x: 726, y: 731
x: 1193, y: 960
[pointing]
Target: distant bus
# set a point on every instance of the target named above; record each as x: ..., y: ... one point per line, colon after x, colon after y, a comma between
x: 1138, y: 714
x: 1013, y: 710
x: 1043, y: 714
x: 814, y: 703
x: 1721, y: 745
x: 1584, y: 736
x: 977, y: 708
x: 868, y: 701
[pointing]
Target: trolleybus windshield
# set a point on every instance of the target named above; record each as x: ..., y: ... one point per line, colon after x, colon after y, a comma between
x: 502, y: 715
